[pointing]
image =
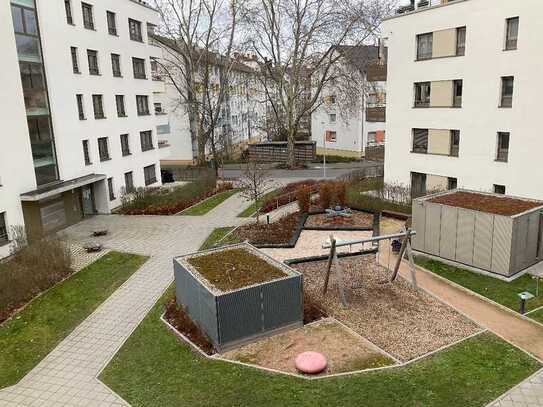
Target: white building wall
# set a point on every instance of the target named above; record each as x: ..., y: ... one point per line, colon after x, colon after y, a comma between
x: 349, y: 131
x: 480, y: 118
x: 16, y: 166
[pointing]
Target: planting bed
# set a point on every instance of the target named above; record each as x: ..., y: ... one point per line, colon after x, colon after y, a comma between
x: 344, y: 350
x: 356, y: 220
x: 401, y: 320
x: 280, y: 232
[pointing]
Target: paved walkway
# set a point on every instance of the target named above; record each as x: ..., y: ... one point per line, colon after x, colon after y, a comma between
x: 67, y: 376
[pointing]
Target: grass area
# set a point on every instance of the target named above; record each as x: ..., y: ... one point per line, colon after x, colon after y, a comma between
x: 204, y: 207
x: 332, y: 159
x: 155, y: 368
x: 215, y: 236
x: 32, y: 333
x: 497, y: 290
x: 250, y: 211
x: 537, y: 315
x: 357, y: 199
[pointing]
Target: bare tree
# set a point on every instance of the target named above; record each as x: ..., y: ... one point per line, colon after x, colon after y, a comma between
x: 197, y: 37
x: 254, y: 182
x: 297, y: 42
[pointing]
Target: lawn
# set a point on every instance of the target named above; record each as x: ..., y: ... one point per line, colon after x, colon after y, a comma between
x: 215, y: 236
x: 537, y: 315
x: 497, y: 290
x: 155, y: 368
x: 204, y: 207
x: 32, y: 333
x: 251, y: 210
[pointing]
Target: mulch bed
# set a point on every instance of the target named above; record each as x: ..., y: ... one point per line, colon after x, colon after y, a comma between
x: 234, y: 268
x: 401, y: 320
x: 178, y: 318
x: 279, y: 232
x: 357, y: 219
x: 312, y: 312
x: 486, y: 203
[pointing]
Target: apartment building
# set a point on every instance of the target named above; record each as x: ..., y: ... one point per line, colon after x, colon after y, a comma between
x: 353, y: 129
x: 77, y: 100
x: 463, y: 90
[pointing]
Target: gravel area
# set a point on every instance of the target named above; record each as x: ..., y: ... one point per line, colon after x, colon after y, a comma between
x: 357, y: 219
x: 401, y: 320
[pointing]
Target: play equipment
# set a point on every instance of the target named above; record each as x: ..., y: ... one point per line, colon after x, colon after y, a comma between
x: 310, y: 362
x: 333, y: 243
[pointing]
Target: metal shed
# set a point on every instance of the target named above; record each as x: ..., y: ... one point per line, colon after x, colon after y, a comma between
x: 495, y: 233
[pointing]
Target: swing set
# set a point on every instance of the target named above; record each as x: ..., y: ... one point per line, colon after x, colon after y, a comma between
x: 332, y: 244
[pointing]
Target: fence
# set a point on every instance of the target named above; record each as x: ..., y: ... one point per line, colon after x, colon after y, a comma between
x: 189, y: 173
x: 276, y: 151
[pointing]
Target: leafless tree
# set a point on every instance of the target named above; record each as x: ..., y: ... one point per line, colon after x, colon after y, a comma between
x: 254, y: 182
x: 198, y: 38
x: 297, y: 41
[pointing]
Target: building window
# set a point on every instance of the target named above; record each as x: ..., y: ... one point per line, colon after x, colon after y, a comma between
x: 455, y: 142
x: 499, y: 189
x: 68, y: 8
x: 119, y: 100
x: 507, y: 91
x: 88, y: 19
x: 103, y: 149
x: 422, y: 94
x: 75, y: 60
x: 4, y: 238
x: 158, y: 109
x: 110, y: 189
x: 149, y: 174
x: 80, y: 108
x: 129, y: 182
x: 24, y: 21
x: 135, y: 30
x: 98, y: 106
x: 125, y: 145
x: 155, y: 73
x: 142, y: 103
x: 502, y: 153
x: 86, y: 152
x: 116, y: 65
x: 151, y: 28
x: 461, y: 41
x: 111, y: 23
x: 330, y: 136
x: 418, y: 184
x: 424, y: 46
x: 457, y: 92
x: 511, y: 34
x: 146, y: 138
x: 420, y: 141
x: 452, y: 183
x: 332, y: 117
x: 139, y: 68
x: 93, y: 62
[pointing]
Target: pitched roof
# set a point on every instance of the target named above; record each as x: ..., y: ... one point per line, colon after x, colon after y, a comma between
x: 361, y: 55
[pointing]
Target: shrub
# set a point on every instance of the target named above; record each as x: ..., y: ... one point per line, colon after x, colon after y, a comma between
x: 303, y: 196
x: 325, y: 195
x: 31, y: 270
x: 339, y: 194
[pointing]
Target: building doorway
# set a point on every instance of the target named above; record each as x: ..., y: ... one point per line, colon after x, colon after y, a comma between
x: 87, y: 198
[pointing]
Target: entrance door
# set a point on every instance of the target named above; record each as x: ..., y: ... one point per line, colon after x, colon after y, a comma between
x: 88, y: 200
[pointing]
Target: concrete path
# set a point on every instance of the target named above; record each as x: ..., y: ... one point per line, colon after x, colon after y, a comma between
x: 67, y: 376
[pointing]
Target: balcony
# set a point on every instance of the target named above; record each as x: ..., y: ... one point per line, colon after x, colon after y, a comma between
x: 421, y: 4
x: 376, y: 114
x: 376, y: 73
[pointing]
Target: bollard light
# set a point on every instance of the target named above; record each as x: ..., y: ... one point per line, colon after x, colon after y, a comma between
x: 524, y: 296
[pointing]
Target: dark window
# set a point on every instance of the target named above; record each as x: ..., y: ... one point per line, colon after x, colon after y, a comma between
x: 418, y: 184
x: 135, y: 30
x: 452, y: 183
x: 125, y: 146
x: 88, y: 19
x: 420, y: 141
x: 80, y: 108
x: 507, y: 91
x: 455, y: 142
x: 139, y: 68
x: 34, y: 93
x: 146, y: 138
x: 119, y: 100
x: 116, y: 65
x: 149, y: 174
x: 457, y: 88
x: 129, y: 181
x: 110, y: 189
x: 68, y: 8
x: 511, y: 35
x: 43, y: 150
x: 75, y: 61
x: 158, y: 108
x: 93, y: 62
x: 24, y: 20
x: 155, y: 74
x: 111, y: 23
x: 499, y: 189
x: 142, y: 103
x: 502, y: 153
x: 86, y: 152
x: 461, y: 41
x: 4, y: 238
x: 103, y: 149
x: 424, y: 46
x: 150, y: 30
x: 422, y: 94
x: 98, y: 106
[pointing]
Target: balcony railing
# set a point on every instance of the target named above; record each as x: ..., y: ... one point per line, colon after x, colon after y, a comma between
x: 376, y: 114
x: 418, y: 4
x: 376, y: 73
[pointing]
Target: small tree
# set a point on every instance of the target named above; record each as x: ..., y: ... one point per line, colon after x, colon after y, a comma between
x: 253, y: 182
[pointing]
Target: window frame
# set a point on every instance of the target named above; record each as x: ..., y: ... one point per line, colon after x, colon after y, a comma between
x: 80, y: 106
x: 86, y: 152
x: 88, y: 24
x: 129, y: 188
x: 502, y: 154
x: 509, y: 40
x: 94, y: 68
x: 506, y: 101
x: 75, y: 60
x: 419, y: 55
x: 417, y: 139
x: 418, y: 88
x: 146, y: 140
x: 103, y: 149
x: 125, y: 144
x: 98, y: 106
x: 461, y: 49
x: 495, y: 188
x: 455, y: 150
x: 136, y: 35
x: 457, y: 99
x: 111, y: 189
x: 68, y: 11
x: 111, y: 29
x: 116, y: 60
x: 151, y: 180
x: 139, y: 73
x: 4, y: 230
x: 145, y: 106
x: 121, y: 107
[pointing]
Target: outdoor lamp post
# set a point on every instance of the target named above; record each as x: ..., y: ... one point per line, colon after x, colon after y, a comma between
x: 523, y: 297
x: 324, y: 152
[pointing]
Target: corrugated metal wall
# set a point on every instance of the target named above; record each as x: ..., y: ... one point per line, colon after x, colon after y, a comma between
x: 525, y: 238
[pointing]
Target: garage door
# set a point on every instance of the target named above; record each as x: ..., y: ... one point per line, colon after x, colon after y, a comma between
x: 53, y: 215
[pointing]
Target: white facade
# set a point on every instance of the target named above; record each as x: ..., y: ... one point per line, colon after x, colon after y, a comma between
x: 479, y: 117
